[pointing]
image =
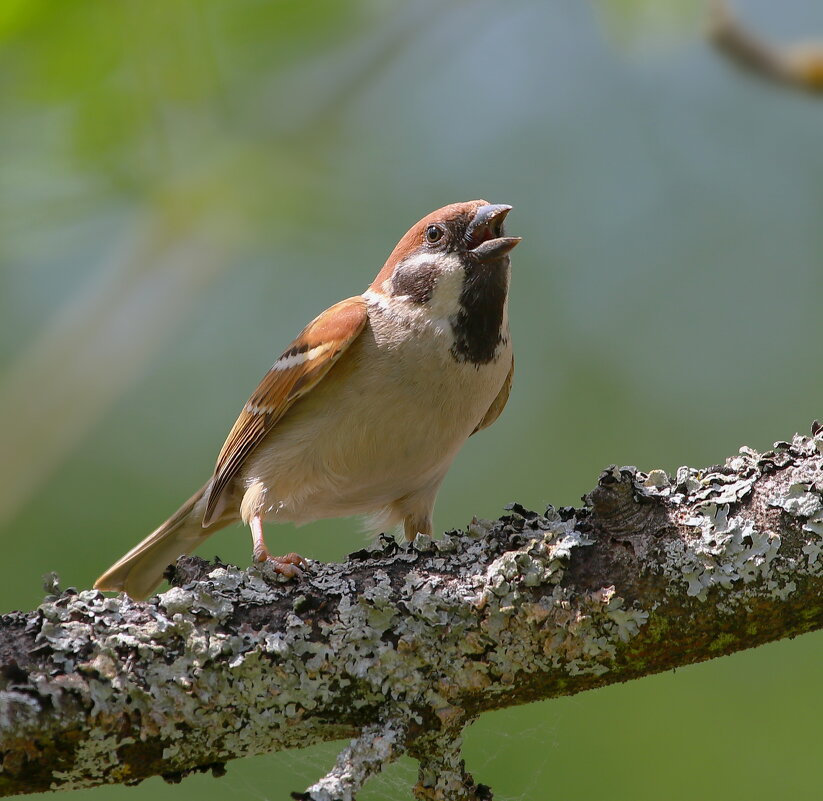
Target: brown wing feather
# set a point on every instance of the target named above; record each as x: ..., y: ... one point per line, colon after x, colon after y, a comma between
x: 327, y: 337
x: 498, y: 403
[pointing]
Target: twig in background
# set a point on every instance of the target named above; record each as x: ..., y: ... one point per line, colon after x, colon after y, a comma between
x: 798, y: 65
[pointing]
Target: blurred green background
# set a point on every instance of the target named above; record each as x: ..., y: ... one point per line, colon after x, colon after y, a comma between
x: 184, y: 184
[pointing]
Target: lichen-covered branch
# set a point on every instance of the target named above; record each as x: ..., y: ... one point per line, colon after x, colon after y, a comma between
x: 401, y: 647
x: 796, y: 65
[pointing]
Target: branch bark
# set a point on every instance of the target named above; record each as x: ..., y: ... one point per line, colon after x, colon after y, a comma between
x: 401, y: 647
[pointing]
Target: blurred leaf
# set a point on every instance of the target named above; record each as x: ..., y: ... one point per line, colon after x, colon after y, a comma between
x: 16, y: 15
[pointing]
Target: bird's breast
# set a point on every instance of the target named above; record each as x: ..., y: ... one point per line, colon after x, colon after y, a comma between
x: 388, y: 419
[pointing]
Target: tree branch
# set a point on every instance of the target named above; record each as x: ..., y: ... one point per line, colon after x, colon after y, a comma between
x: 401, y: 647
x: 796, y: 65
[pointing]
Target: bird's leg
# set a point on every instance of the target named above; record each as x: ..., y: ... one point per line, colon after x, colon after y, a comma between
x: 288, y: 565
x: 259, y: 549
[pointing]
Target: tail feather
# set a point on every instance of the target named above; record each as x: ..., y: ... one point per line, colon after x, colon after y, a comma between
x: 141, y: 569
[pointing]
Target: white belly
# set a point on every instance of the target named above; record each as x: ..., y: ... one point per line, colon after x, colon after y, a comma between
x: 378, y: 433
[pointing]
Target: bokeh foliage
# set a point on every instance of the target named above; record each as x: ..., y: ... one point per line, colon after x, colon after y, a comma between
x: 184, y: 184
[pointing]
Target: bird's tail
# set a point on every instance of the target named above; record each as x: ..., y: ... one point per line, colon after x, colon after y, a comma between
x: 141, y: 569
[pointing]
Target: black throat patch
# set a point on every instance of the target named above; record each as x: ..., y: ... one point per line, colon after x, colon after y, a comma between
x: 478, y: 326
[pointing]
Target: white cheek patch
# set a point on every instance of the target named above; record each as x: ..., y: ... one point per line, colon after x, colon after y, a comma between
x: 444, y: 262
x: 420, y: 260
x: 445, y: 299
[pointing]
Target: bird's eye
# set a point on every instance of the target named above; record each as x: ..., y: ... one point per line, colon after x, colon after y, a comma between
x: 434, y: 233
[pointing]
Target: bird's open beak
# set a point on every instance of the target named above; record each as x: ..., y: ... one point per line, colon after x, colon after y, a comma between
x: 485, y: 233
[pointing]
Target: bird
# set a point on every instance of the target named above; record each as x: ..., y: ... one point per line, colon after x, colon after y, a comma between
x: 364, y: 412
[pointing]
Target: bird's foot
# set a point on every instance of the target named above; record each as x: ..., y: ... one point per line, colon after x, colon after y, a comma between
x: 289, y: 565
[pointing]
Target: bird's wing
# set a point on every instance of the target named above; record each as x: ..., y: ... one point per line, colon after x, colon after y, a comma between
x: 300, y: 368
x: 498, y: 403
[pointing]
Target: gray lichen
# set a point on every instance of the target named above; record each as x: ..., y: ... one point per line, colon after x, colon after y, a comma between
x: 376, y: 747
x: 401, y: 647
x: 724, y: 550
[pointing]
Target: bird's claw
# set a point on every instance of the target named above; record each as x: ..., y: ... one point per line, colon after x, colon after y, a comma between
x: 289, y: 565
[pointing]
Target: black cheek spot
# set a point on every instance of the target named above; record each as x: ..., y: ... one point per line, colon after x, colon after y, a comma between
x: 417, y: 284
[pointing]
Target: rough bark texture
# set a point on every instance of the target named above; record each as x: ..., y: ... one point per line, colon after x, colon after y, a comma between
x: 401, y: 647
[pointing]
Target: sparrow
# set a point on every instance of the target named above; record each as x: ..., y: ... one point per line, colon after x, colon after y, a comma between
x: 365, y: 411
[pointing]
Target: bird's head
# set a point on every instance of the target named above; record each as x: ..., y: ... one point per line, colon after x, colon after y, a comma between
x: 454, y: 265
